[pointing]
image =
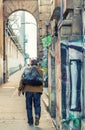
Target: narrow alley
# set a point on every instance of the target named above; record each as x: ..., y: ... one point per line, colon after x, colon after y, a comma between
x: 13, y: 111
x: 53, y: 33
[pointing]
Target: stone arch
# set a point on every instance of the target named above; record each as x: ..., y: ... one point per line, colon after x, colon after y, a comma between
x: 30, y: 6
x: 9, y: 7
x: 20, y: 10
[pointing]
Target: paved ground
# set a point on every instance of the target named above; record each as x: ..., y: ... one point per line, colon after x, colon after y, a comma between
x: 12, y: 108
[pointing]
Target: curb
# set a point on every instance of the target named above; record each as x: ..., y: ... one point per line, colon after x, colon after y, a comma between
x: 45, y: 101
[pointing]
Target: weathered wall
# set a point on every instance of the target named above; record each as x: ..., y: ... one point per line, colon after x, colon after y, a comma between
x: 70, y: 30
x: 70, y: 36
x: 44, y: 16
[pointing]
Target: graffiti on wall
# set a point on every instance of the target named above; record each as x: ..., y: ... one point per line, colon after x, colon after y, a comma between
x: 73, y: 51
x: 75, y: 59
x: 63, y: 77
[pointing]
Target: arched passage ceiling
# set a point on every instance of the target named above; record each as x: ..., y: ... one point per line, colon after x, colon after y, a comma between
x: 40, y: 9
x: 10, y: 6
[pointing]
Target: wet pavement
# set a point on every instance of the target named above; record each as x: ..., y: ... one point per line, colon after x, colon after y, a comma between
x: 12, y: 108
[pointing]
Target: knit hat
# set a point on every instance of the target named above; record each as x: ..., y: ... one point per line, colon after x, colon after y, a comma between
x: 34, y: 62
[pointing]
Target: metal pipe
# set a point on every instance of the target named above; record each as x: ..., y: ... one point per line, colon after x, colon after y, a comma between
x: 61, y: 12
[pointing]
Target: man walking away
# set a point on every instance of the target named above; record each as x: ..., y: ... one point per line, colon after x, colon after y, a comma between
x: 33, y: 96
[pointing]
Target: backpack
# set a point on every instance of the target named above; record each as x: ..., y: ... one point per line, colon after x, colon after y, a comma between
x: 32, y: 77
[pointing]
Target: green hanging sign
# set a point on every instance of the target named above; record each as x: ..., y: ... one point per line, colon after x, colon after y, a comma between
x: 46, y: 40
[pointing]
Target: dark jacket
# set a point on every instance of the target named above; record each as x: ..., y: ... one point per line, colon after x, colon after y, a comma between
x: 29, y: 88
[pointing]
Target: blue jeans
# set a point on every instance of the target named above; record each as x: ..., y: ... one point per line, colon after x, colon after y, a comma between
x: 35, y: 98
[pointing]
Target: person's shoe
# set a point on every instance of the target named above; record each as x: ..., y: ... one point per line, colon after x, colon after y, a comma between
x: 36, y: 120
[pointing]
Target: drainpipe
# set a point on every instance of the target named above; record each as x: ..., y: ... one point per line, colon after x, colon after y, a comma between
x: 4, y: 56
x: 47, y: 24
x: 83, y: 93
x: 61, y: 12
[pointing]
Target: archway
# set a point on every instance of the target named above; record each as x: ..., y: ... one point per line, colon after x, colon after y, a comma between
x: 10, y: 7
x: 20, y: 41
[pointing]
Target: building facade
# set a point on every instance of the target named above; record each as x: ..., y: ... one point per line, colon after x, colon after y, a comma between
x: 68, y: 25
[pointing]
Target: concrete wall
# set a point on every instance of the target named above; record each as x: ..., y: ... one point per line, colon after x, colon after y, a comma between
x: 13, y: 55
x: 69, y: 34
x: 72, y: 31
